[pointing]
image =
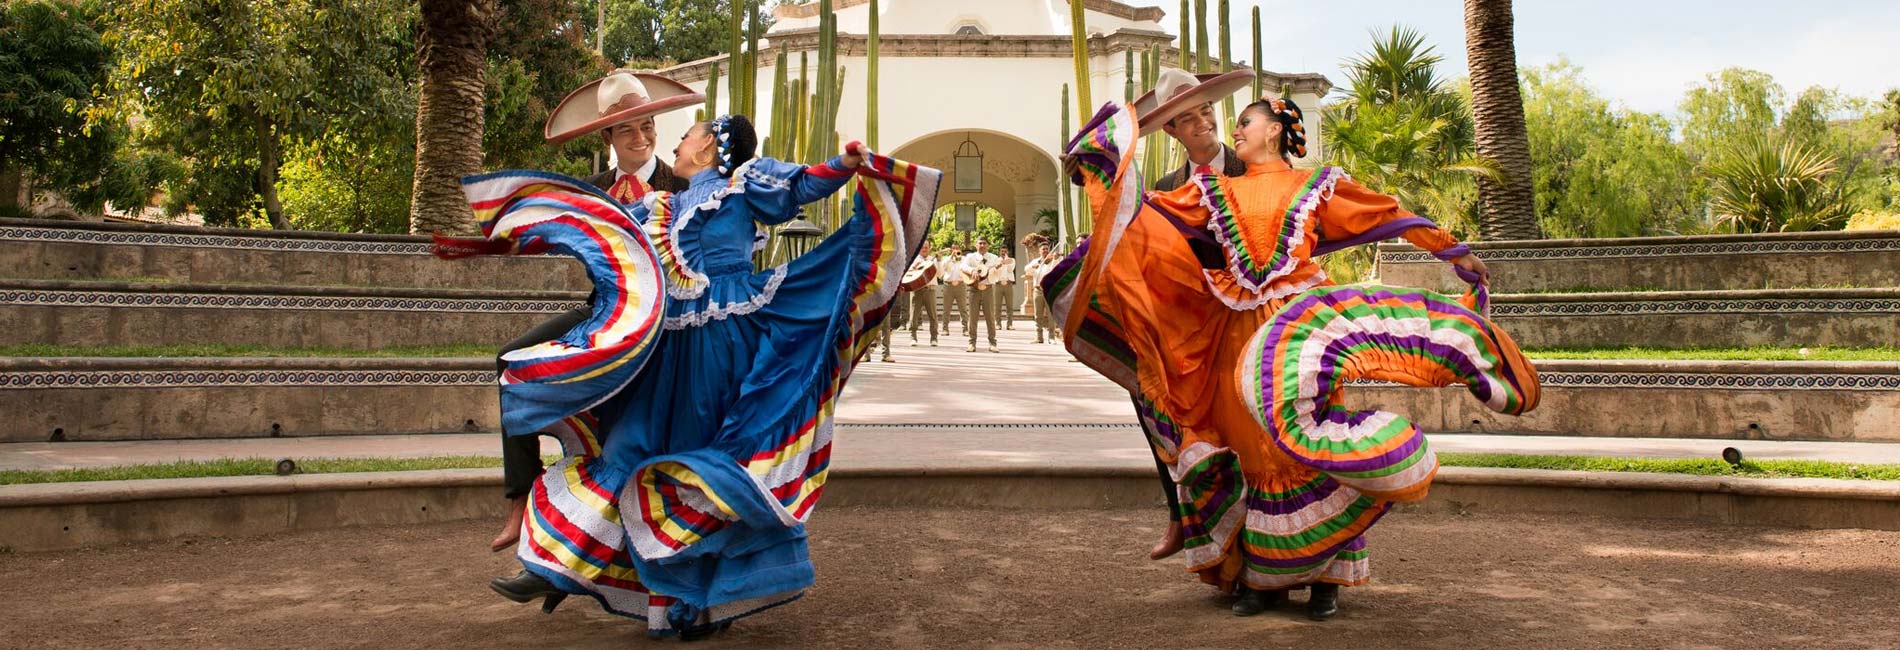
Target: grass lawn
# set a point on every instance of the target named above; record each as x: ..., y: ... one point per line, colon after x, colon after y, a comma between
x: 1720, y: 354
x: 265, y: 467
x: 36, y: 350
x: 1696, y: 466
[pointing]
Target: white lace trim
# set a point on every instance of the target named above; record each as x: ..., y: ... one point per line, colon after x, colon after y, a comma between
x: 679, y: 223
x: 1271, y: 293
x: 716, y: 311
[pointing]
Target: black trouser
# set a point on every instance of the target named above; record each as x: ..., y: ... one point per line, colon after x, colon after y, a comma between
x: 521, y: 455
x: 1161, y: 468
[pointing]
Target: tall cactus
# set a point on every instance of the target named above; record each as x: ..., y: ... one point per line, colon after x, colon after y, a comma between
x: 1226, y: 65
x: 712, y: 92
x: 1187, y: 32
x: 1200, y: 37
x: 870, y: 82
x: 801, y: 117
x: 1062, y: 180
x: 1128, y: 76
x: 735, y: 56
x: 752, y: 57
x: 775, y: 145
x: 1079, y: 44
x: 1259, y: 68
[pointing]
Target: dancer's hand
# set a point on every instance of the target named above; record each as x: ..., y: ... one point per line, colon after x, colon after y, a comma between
x: 1470, y: 262
x: 853, y: 154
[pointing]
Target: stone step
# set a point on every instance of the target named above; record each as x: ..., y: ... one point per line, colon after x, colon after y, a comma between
x: 103, y: 399
x: 1695, y: 263
x: 67, y: 250
x: 95, y: 398
x: 1789, y: 318
x: 56, y: 312
x: 1837, y: 401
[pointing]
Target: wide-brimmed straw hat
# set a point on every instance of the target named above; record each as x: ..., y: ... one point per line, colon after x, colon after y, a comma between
x: 1176, y: 92
x: 618, y: 98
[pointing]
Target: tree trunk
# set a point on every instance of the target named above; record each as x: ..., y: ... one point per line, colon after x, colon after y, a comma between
x: 452, y: 53
x: 1497, y: 108
x: 267, y: 170
x: 12, y: 180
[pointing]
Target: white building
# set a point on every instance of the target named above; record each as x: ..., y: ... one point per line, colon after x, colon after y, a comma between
x: 989, y: 71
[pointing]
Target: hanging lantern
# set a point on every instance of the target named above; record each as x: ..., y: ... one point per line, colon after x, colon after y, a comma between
x: 797, y: 236
x: 969, y: 167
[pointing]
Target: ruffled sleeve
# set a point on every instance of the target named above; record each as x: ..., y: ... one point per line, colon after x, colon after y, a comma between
x: 776, y: 189
x: 1355, y: 215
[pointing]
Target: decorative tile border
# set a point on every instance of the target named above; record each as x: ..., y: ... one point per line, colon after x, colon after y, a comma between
x: 278, y: 302
x: 1696, y: 380
x: 45, y: 379
x: 1664, y: 250
x: 78, y: 235
x: 1697, y: 306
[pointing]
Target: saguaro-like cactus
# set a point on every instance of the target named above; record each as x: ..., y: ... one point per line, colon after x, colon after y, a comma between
x: 1258, y: 67
x: 712, y: 92
x: 1069, y: 229
x: 1226, y: 65
x: 870, y: 81
x: 1187, y: 32
x: 1079, y: 44
x: 1200, y: 37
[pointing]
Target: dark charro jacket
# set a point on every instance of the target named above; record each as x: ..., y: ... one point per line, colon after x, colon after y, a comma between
x: 1235, y: 167
x: 663, y: 179
x: 1209, y: 253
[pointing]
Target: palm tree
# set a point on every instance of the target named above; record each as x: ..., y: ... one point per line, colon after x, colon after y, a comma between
x: 1498, y: 111
x: 453, y: 52
x: 1402, y: 129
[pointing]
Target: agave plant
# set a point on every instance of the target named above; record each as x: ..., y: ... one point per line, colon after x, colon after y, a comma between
x: 1764, y: 184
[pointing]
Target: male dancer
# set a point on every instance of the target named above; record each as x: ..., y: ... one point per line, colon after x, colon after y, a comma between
x: 1185, y: 107
x: 620, y: 108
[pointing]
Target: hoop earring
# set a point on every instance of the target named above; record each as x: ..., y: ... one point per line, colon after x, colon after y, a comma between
x: 705, y: 161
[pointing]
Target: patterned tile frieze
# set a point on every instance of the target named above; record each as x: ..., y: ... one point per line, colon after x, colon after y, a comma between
x: 47, y: 379
x: 1697, y: 306
x: 1809, y: 247
x: 277, y: 302
x: 1697, y: 380
x: 21, y: 233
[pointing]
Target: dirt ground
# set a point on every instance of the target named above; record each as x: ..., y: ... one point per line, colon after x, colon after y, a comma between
x: 900, y: 578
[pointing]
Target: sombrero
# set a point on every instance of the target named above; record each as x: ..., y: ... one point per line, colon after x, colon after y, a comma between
x: 1177, y: 91
x: 618, y: 98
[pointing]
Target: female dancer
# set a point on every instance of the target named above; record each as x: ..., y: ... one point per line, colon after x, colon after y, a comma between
x: 694, y: 405
x: 1260, y: 514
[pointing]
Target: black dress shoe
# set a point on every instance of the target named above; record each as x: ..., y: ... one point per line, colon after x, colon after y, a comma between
x: 1324, y: 602
x: 1254, y: 601
x: 525, y: 587
x: 702, y: 632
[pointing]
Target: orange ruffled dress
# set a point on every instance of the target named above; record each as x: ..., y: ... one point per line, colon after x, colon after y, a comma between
x: 1137, y: 305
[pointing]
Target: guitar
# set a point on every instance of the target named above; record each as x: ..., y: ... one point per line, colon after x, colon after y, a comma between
x: 918, y: 277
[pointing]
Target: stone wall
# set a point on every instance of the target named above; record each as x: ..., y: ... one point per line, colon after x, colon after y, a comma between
x: 1715, y: 262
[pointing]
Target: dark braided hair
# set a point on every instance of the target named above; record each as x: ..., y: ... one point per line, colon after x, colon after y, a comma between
x: 735, y: 141
x: 1292, y: 125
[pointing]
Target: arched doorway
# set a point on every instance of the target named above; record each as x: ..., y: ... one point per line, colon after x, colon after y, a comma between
x: 1018, y: 179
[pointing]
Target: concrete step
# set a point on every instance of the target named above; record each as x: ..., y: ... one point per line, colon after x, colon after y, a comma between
x: 61, y: 312
x: 1720, y: 400
x: 107, y: 399
x: 67, y: 250
x: 1789, y: 318
x: 94, y: 398
x: 1694, y: 263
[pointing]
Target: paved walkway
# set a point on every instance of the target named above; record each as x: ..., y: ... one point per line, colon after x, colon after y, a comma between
x: 936, y: 407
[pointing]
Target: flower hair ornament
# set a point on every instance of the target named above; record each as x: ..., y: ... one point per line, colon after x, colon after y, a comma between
x: 735, y: 142
x: 1292, y: 121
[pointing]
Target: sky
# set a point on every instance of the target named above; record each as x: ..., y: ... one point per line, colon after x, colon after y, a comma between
x: 1643, y: 55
